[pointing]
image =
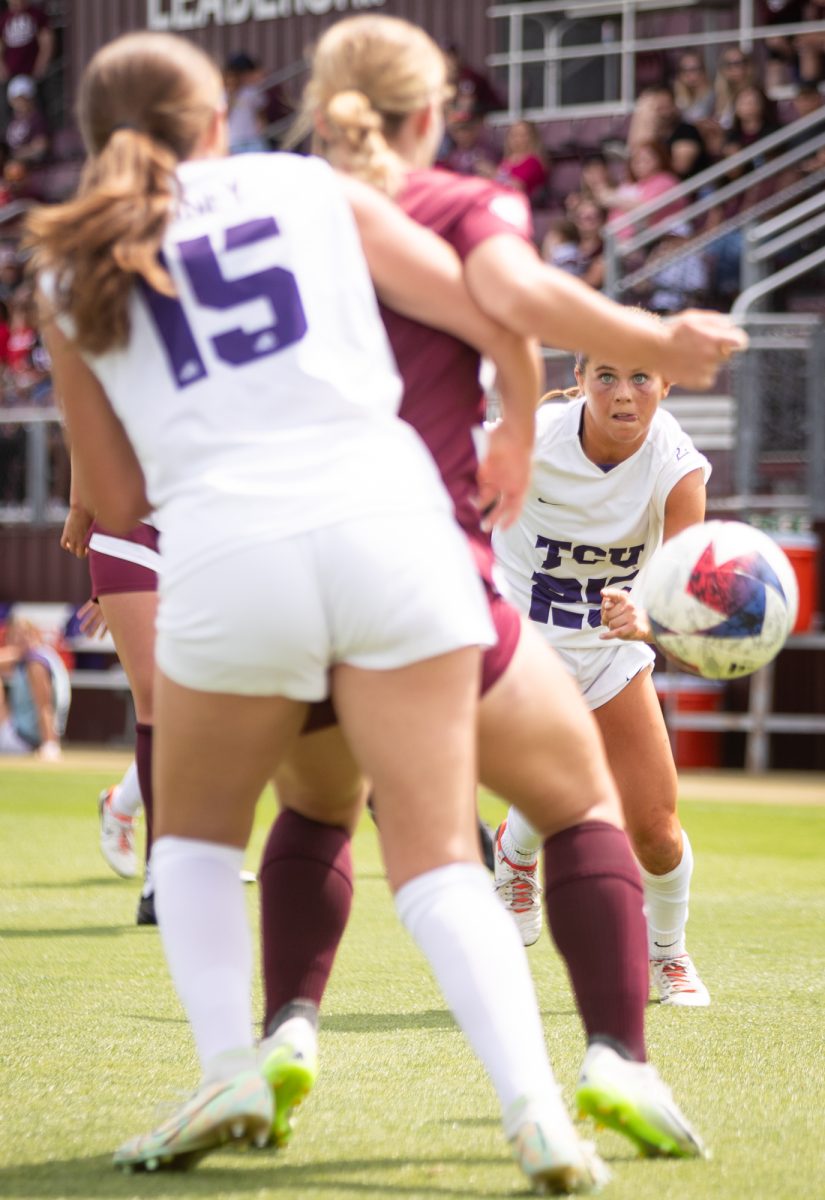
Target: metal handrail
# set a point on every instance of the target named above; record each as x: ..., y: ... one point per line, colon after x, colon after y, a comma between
x: 742, y: 158
x: 745, y: 300
x: 708, y: 237
x: 743, y: 33
x: 708, y: 178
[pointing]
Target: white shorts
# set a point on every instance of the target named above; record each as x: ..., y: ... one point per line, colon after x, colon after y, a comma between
x: 271, y: 618
x: 602, y: 672
x: 11, y: 741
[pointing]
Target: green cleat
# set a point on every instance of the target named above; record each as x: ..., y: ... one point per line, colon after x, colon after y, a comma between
x: 631, y: 1098
x: 289, y: 1062
x: 236, y: 1110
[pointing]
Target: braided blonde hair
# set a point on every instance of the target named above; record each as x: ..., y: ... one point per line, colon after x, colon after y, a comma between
x: 369, y: 74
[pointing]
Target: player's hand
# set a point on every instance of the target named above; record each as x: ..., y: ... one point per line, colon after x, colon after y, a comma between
x: 623, y: 619
x: 699, y: 343
x: 76, y: 530
x: 90, y: 620
x: 503, y: 476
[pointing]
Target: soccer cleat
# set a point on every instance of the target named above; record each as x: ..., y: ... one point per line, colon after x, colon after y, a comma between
x: 677, y: 982
x: 289, y: 1062
x: 117, y: 837
x: 238, y: 1109
x: 631, y: 1098
x: 146, y: 910
x: 519, y: 890
x: 555, y: 1159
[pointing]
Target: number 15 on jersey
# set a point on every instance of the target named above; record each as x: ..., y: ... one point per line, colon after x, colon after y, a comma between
x: 235, y: 345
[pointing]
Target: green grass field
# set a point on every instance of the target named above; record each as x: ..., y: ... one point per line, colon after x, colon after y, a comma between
x: 93, y: 1037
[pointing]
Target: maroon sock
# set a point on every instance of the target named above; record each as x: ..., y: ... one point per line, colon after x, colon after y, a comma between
x: 143, y: 758
x: 594, y: 906
x: 306, y: 895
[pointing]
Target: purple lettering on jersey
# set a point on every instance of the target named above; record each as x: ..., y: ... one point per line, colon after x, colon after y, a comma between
x: 274, y: 284
x: 178, y: 341
x: 588, y: 556
x: 626, y: 557
x: 213, y: 290
x: 548, y: 591
x: 554, y: 548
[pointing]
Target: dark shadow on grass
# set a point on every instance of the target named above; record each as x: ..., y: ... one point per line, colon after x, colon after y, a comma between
x: 84, y: 931
x: 66, y: 885
x: 433, y: 1018
x: 95, y: 1177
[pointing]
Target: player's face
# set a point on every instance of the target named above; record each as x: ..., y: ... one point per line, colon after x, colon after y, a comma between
x: 621, y: 403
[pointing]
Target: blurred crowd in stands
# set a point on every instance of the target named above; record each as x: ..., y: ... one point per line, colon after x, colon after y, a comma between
x: 701, y: 106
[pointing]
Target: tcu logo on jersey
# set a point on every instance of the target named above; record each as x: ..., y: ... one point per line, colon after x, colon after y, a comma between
x: 586, y: 556
x: 552, y: 595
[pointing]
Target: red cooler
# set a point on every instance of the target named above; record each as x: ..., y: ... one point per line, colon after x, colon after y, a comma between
x: 693, y: 747
x: 803, y: 551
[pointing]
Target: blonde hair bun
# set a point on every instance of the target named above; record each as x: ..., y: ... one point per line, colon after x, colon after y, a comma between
x: 352, y: 115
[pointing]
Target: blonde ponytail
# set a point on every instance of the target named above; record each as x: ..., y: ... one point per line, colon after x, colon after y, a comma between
x: 357, y: 130
x: 369, y: 74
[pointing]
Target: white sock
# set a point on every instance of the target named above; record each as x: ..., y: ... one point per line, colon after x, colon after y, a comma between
x: 666, y: 905
x: 126, y: 798
x: 203, y: 925
x: 519, y: 840
x: 476, y: 955
x: 148, y: 888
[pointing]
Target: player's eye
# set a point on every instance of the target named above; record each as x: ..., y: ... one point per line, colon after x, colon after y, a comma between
x: 606, y: 378
x: 639, y: 379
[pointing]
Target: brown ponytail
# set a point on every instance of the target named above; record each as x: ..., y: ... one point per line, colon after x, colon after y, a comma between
x: 145, y: 102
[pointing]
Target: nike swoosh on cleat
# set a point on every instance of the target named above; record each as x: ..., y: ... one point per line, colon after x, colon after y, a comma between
x: 555, y: 503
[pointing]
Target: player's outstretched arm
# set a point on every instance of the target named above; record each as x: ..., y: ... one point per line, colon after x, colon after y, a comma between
x: 511, y: 283
x: 107, y: 473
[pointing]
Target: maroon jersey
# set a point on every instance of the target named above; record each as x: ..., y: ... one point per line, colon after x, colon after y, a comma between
x: 442, y: 397
x: 19, y: 34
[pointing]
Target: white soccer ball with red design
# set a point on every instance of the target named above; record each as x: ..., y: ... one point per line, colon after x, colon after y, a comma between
x: 721, y: 598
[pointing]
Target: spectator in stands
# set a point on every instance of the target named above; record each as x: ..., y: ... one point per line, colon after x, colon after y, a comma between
x: 246, y: 104
x: 26, y: 41
x: 11, y: 273
x: 34, y: 700
x: 595, y: 175
x: 754, y: 118
x: 473, y: 91
x: 656, y: 118
x: 811, y: 46
x: 681, y: 283
x: 782, y: 66
x: 27, y: 367
x: 735, y: 71
x: 650, y: 177
x: 589, y: 219
x: 692, y: 89
x: 27, y: 136
x: 524, y: 165
x: 806, y: 101
x: 466, y: 149
x: 561, y: 246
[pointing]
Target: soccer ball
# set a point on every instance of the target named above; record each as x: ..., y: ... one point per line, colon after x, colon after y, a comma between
x: 721, y: 598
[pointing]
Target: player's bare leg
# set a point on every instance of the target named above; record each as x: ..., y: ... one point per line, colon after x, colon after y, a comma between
x: 639, y: 752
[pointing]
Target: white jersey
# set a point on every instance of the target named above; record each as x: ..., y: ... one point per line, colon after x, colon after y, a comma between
x: 261, y: 399
x: 584, y: 528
